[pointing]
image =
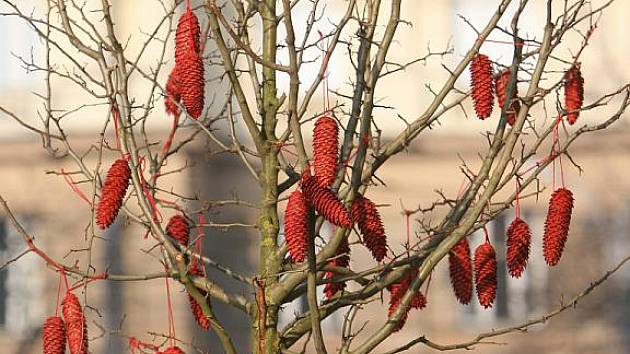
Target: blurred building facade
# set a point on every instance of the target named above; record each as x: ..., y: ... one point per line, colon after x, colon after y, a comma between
x: 58, y: 218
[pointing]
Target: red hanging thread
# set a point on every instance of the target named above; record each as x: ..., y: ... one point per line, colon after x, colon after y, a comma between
x: 365, y: 213
x: 557, y: 225
x: 482, y: 85
x: 342, y: 259
x: 517, y: 247
x: 203, y: 321
x: 54, y: 336
x: 397, y: 292
x: 189, y: 64
x: 325, y: 150
x: 460, y: 271
x: 173, y: 93
x: 76, y: 328
x: 179, y: 229
x: 573, y: 92
x: 485, y: 273
x: 325, y: 202
x: 296, y: 226
x: 501, y: 85
x: 113, y: 193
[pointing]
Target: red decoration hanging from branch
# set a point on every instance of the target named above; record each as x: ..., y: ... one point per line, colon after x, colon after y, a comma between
x: 557, y: 225
x: 325, y: 202
x: 113, y: 193
x: 296, y: 226
x: 325, y: 150
x: 573, y: 92
x: 188, y: 63
x: 54, y: 336
x: 518, y: 240
x: 365, y: 213
x: 501, y: 85
x: 76, y: 327
x: 482, y: 85
x: 485, y: 273
x: 460, y: 271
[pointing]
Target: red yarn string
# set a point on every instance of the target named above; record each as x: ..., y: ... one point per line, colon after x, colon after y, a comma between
x: 91, y: 279
x: 135, y: 344
x: 74, y: 187
x: 187, y: 5
x: 58, y: 295
x: 517, y: 209
x: 116, y: 117
x: 485, y: 231
x: 157, y: 216
x: 171, y: 322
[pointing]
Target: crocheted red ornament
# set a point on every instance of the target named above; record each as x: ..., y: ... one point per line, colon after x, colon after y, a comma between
x: 482, y: 85
x: 173, y: 93
x: 296, y: 226
x: 178, y: 229
x: 557, y: 225
x: 365, y: 213
x: 325, y: 150
x: 54, y: 336
x: 195, y: 308
x: 573, y: 92
x: 76, y: 327
x: 341, y: 259
x: 113, y: 193
x: 325, y: 201
x: 397, y: 292
x: 460, y: 271
x: 189, y: 64
x: 485, y: 274
x: 517, y: 247
x: 501, y: 85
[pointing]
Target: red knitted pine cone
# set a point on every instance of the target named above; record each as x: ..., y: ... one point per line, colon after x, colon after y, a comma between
x: 557, y: 225
x: 573, y: 92
x: 485, y: 274
x: 501, y: 85
x: 195, y: 308
x: 325, y: 202
x: 397, y: 292
x: 173, y: 93
x: 517, y: 247
x: 178, y: 229
x: 365, y: 213
x: 54, y: 336
x: 172, y: 350
x: 76, y: 328
x: 113, y: 193
x: 296, y: 226
x: 482, y: 85
x: 325, y: 150
x: 189, y: 64
x: 342, y: 259
x: 460, y: 271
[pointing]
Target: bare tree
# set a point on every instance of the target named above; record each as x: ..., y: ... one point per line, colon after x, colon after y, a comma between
x: 266, y: 134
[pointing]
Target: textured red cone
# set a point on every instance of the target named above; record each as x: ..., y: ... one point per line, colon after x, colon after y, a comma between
x: 573, y: 92
x: 173, y: 93
x: 485, y: 274
x: 195, y: 308
x: 557, y: 225
x: 178, y: 229
x: 342, y: 259
x: 325, y: 202
x: 325, y: 150
x: 172, y: 350
x: 365, y: 213
x: 501, y: 85
x: 76, y: 327
x: 460, y: 271
x: 296, y: 226
x: 189, y: 64
x: 54, y: 336
x: 482, y: 85
x: 397, y: 292
x: 517, y: 247
x: 113, y: 193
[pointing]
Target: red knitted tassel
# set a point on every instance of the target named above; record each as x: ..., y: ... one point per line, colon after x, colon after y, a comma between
x: 397, y: 292
x: 296, y: 226
x: 573, y: 92
x: 557, y: 225
x: 342, y: 259
x: 460, y: 271
x: 178, y: 229
x: 76, y: 328
x: 365, y: 213
x: 172, y: 350
x: 517, y: 247
x: 482, y: 85
x: 113, y: 193
x: 325, y: 202
x: 325, y: 150
x: 54, y: 336
x: 485, y: 274
x: 189, y: 64
x: 501, y: 85
x: 173, y: 93
x: 195, y: 308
